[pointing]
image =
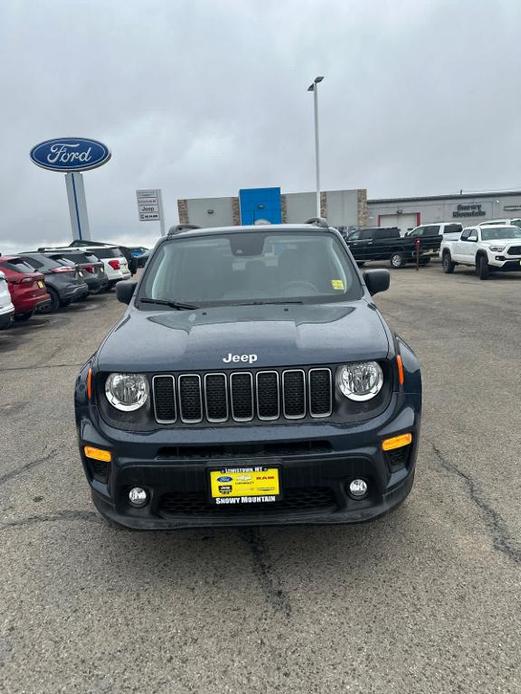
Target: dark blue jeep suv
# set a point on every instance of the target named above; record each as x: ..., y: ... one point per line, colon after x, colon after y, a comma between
x: 252, y: 380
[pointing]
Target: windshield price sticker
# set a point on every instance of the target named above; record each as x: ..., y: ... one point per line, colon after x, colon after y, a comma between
x: 245, y: 485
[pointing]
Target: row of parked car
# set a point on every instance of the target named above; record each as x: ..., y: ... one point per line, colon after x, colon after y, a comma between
x: 47, y: 279
x: 491, y: 246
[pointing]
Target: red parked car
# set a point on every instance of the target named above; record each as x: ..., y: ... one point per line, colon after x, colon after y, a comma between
x: 27, y: 287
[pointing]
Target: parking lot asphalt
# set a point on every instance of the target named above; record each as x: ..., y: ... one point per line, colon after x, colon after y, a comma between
x: 426, y: 599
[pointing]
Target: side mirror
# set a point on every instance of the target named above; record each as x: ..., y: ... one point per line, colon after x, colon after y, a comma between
x: 125, y: 291
x: 377, y: 280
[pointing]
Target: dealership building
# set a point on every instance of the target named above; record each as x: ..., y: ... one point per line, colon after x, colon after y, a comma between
x: 347, y: 208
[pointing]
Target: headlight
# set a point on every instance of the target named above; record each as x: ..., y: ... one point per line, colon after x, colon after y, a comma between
x: 360, y: 381
x: 497, y: 249
x: 126, y: 392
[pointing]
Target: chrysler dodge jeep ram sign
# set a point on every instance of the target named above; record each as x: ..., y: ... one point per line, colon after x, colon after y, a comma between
x: 70, y: 154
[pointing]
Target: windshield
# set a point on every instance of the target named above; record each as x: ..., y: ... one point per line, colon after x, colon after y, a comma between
x: 19, y: 265
x: 493, y: 233
x: 252, y: 267
x: 107, y: 252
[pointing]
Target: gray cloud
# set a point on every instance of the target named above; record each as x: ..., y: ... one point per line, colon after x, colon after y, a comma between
x: 203, y: 97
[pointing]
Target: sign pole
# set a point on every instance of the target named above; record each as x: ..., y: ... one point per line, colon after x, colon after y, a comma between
x: 70, y: 155
x: 77, y: 206
x: 161, y: 214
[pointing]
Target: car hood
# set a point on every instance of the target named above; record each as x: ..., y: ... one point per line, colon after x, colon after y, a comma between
x: 277, y: 335
x: 503, y: 242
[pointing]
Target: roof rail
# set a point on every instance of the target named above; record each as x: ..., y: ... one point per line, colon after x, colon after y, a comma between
x: 318, y: 222
x: 178, y: 228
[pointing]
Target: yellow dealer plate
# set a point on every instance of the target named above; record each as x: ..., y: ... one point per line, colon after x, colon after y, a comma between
x: 244, y: 485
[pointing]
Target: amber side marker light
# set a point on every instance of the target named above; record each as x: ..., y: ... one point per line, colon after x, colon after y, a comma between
x: 399, y: 364
x: 396, y: 442
x: 89, y: 383
x: 97, y: 454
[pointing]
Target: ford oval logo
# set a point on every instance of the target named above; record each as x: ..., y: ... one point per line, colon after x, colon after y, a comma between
x: 224, y: 478
x: 70, y: 154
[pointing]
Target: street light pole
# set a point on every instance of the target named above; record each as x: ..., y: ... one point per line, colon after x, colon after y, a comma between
x: 313, y: 87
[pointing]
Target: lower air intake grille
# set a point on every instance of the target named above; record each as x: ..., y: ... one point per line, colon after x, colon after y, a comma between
x: 299, y: 499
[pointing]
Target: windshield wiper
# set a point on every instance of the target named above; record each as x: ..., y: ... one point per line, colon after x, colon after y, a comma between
x: 261, y: 303
x: 167, y: 302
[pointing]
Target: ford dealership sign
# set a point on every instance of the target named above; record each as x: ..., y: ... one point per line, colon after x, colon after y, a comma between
x: 70, y: 154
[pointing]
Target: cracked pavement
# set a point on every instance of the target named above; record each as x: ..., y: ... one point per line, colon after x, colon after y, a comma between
x: 426, y: 599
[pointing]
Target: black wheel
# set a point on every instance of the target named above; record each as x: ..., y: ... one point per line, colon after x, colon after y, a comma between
x: 22, y: 317
x: 5, y: 322
x: 55, y: 302
x: 397, y: 260
x: 447, y: 264
x: 65, y: 303
x: 482, y: 267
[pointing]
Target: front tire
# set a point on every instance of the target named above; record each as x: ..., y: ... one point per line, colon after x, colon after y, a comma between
x: 5, y: 322
x: 447, y: 264
x: 397, y: 260
x: 55, y: 302
x: 483, y: 267
x: 22, y: 317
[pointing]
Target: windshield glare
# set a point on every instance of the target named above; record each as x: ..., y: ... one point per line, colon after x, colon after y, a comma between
x: 250, y: 267
x: 512, y: 232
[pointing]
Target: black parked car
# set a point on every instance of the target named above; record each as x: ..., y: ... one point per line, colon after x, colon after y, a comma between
x: 127, y: 253
x: 63, y: 283
x: 90, y: 267
x: 385, y: 243
x: 245, y: 386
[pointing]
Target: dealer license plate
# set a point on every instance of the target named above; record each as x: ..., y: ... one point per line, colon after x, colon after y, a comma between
x: 40, y: 284
x: 245, y: 485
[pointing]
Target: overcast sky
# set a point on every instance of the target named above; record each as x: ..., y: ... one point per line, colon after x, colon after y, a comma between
x: 203, y: 97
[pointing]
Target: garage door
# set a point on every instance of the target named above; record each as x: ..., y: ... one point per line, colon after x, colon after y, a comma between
x: 402, y: 221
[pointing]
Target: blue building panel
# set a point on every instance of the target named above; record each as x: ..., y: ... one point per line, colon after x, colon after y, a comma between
x: 260, y: 204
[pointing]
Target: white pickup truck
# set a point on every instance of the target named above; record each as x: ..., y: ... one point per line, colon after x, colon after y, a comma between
x: 490, y: 248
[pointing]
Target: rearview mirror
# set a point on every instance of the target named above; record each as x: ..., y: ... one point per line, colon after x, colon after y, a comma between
x: 377, y: 280
x: 125, y: 291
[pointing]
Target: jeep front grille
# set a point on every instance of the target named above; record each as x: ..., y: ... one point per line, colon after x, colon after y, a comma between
x: 242, y: 396
x: 514, y: 250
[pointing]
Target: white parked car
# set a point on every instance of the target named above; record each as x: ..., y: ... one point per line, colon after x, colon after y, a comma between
x: 114, y: 262
x: 494, y: 222
x: 6, y: 305
x: 488, y: 248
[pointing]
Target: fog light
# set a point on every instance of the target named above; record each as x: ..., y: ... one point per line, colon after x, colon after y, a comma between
x: 138, y: 497
x: 358, y: 488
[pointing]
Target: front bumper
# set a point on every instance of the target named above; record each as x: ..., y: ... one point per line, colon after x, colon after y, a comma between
x: 316, y: 462
x: 96, y: 284
x: 74, y: 292
x: 510, y: 265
